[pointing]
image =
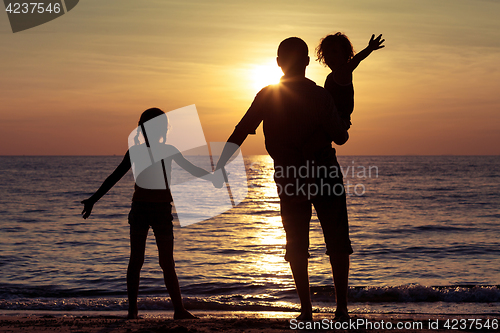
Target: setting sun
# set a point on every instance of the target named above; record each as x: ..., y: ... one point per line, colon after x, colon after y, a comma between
x: 265, y: 74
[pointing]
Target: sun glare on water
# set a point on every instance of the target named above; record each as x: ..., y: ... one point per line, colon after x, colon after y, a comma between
x: 265, y: 74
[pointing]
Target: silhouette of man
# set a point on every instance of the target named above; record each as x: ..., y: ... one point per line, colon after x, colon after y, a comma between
x: 300, y: 122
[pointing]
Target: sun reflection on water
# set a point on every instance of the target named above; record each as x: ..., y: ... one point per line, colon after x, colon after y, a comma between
x: 271, y: 240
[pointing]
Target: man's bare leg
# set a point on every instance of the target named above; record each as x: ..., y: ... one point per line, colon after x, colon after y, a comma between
x: 340, y: 269
x: 301, y: 278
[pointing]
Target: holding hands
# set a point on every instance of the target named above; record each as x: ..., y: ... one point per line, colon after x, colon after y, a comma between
x: 218, y: 178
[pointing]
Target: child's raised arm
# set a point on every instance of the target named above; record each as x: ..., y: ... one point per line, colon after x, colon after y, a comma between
x: 373, y: 44
x: 119, y: 172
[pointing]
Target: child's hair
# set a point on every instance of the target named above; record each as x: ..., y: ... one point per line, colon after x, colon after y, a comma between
x: 325, y: 45
x: 150, y: 114
x: 146, y: 116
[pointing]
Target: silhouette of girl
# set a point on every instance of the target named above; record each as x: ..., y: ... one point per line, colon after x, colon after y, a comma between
x: 336, y: 52
x: 151, y: 206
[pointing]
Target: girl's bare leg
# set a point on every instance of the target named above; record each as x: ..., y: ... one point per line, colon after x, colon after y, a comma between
x: 166, y: 257
x: 137, y: 249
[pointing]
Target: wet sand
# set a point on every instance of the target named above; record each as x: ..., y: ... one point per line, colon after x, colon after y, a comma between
x: 232, y: 322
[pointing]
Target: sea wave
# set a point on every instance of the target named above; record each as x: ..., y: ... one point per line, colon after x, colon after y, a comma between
x: 419, y: 293
x: 282, y: 300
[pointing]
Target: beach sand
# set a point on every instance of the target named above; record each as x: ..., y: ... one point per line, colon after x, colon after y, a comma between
x: 232, y: 322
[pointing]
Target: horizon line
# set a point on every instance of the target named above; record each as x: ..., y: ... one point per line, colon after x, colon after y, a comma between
x: 379, y: 155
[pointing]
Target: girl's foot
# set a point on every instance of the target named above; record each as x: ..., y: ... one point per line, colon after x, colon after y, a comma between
x: 184, y: 314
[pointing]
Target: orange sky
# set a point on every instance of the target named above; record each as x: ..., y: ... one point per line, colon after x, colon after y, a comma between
x: 77, y: 85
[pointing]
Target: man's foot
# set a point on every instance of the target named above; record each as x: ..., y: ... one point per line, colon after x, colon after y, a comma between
x: 341, y: 316
x: 132, y: 315
x: 305, y: 316
x: 184, y: 314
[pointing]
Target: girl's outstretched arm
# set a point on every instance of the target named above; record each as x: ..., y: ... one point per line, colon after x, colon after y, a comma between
x: 373, y: 44
x: 344, y: 74
x: 119, y: 172
x: 191, y: 168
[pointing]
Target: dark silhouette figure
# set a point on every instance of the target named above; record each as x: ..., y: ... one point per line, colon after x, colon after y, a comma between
x: 150, y: 207
x: 300, y: 122
x: 336, y: 52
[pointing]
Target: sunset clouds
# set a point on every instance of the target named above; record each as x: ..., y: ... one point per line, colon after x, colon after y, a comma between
x: 78, y: 84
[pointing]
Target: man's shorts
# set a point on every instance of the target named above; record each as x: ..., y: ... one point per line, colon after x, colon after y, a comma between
x: 332, y: 213
x: 157, y: 215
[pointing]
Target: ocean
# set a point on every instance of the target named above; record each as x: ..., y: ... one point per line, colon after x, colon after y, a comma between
x: 425, y: 232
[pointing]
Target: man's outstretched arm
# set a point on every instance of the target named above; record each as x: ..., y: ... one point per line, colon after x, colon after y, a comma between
x: 233, y: 143
x: 247, y: 125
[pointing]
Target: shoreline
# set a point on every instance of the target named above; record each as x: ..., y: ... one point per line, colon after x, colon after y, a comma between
x: 236, y: 321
